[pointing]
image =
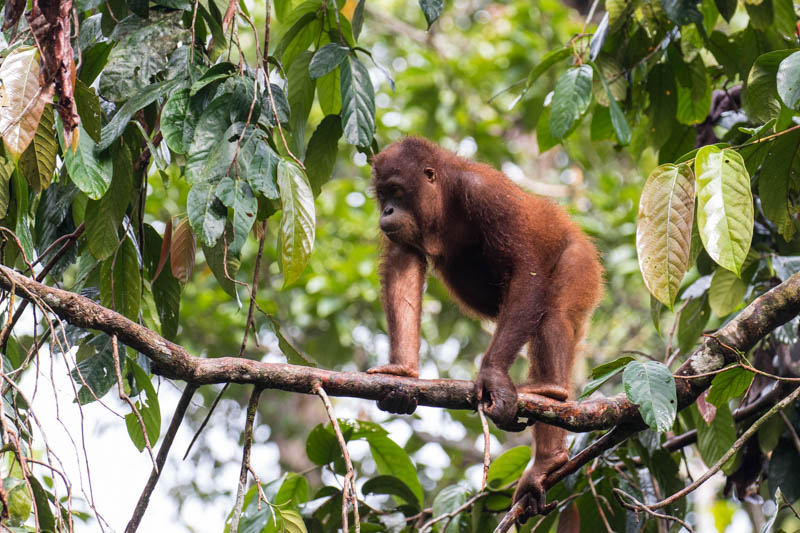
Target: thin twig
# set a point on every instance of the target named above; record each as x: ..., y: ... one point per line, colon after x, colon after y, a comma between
x: 486, y: 445
x: 597, y: 500
x: 349, y: 487
x: 206, y: 419
x: 163, y: 451
x: 252, y: 407
x: 639, y: 506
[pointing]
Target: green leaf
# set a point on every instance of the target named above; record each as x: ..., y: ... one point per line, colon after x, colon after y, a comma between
x: 785, y: 18
x: 178, y: 121
x: 392, y: 486
x: 148, y: 408
x: 322, y: 149
x: 120, y: 282
x: 206, y: 213
x: 694, y: 93
x: 729, y: 384
x: 292, y: 521
x: 760, y: 98
x: 96, y: 372
x: 301, y: 96
x: 322, y: 447
x: 571, y: 98
x: 358, y: 18
x: 20, y: 113
x: 295, y: 29
x: 508, y: 467
x: 762, y: 14
x: 788, y: 81
x: 293, y: 356
x: 218, y: 72
x: 104, y: 216
x: 38, y: 161
x: 724, y: 206
x: 326, y: 59
x: 94, y: 61
x: 692, y: 322
x: 391, y: 459
x: 165, y: 288
x: 603, y: 373
x: 726, y: 293
x: 20, y: 503
x: 44, y: 514
x: 358, y: 103
x: 211, y: 151
x: 682, y: 12
x: 650, y: 385
x: 664, y: 230
x: 716, y: 438
x: 258, y: 163
x: 431, y: 9
x: 237, y: 195
x: 447, y: 501
x: 293, y: 491
x: 88, y: 105
x: 777, y: 179
x: 621, y: 128
x: 90, y: 172
x: 329, y: 92
x: 297, y: 220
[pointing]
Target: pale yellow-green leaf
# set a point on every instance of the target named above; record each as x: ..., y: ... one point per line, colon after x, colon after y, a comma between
x: 297, y: 220
x: 726, y: 293
x: 664, y: 230
x: 292, y: 521
x: 724, y: 206
x: 19, y: 119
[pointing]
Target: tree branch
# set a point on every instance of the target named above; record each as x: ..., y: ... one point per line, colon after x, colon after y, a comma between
x: 767, y: 312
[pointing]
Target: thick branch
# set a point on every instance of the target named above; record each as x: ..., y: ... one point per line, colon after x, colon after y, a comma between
x: 767, y: 312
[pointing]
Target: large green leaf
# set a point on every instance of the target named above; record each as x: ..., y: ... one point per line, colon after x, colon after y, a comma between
x: 321, y: 446
x: 89, y: 171
x: 301, y: 96
x: 223, y: 264
x: 716, y: 437
x: 120, y: 281
x: 329, y: 92
x: 213, y: 144
x: 38, y: 161
x: 449, y: 500
x: 148, y: 407
x: 726, y: 293
x: 6, y: 169
x: 95, y: 375
x: 237, y: 195
x: 358, y: 103
x: 650, y: 385
x: 691, y: 323
x: 206, y: 213
x: 724, y: 206
x: 571, y: 98
x: 508, y: 467
x: 788, y: 81
x: 760, y: 97
x: 664, y: 230
x: 694, y: 93
x: 258, y: 163
x: 297, y: 220
x: 178, y: 120
x: 547, y: 61
x: 777, y: 179
x: 729, y: 384
x: 392, y: 486
x: 20, y: 113
x: 104, y: 216
x: 293, y: 491
x: 322, y: 149
x: 326, y: 59
x: 391, y: 459
x: 88, y: 104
